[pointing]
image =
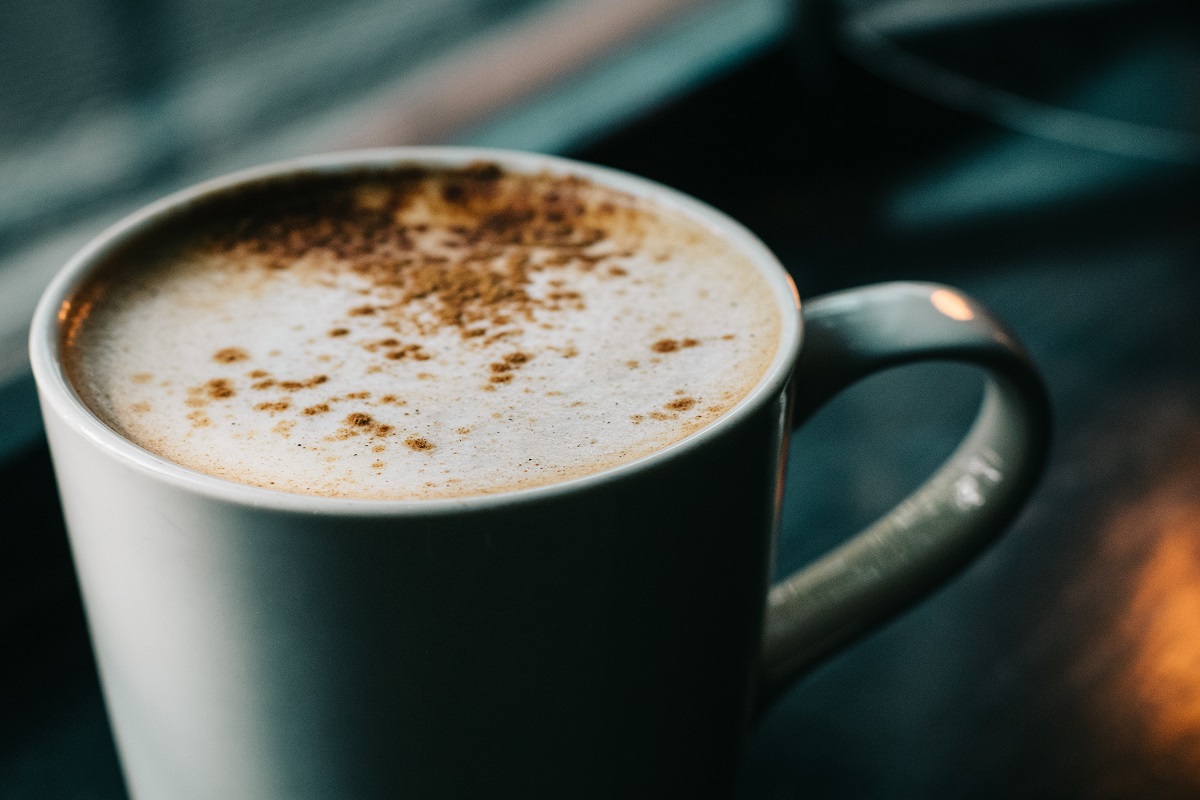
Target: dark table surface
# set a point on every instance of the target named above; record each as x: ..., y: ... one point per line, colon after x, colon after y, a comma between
x: 1066, y: 661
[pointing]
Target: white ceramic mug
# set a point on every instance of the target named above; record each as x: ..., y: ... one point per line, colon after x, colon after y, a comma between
x: 606, y: 636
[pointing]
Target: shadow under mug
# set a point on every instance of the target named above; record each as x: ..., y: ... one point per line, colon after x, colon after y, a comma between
x: 606, y: 636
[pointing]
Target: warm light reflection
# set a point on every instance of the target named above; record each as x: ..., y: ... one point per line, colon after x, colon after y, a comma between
x: 1161, y: 622
x: 951, y: 304
x: 1139, y: 669
x: 74, y: 312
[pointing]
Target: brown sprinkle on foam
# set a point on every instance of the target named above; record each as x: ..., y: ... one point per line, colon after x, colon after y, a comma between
x: 357, y: 423
x: 475, y: 275
x: 510, y: 362
x: 471, y: 269
x: 292, y: 386
x: 413, y: 351
x: 671, y: 345
x: 219, y: 389
x: 230, y: 355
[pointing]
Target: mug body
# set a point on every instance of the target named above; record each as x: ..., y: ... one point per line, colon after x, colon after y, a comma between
x: 598, y: 637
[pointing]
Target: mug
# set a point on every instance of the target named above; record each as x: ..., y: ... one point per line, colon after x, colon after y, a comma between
x: 606, y: 636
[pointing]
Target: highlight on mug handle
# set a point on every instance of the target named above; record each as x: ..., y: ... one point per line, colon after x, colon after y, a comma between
x: 928, y: 537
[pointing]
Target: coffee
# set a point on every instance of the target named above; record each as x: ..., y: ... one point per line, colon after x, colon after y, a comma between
x: 418, y: 332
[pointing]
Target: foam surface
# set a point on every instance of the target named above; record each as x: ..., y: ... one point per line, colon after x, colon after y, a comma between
x: 424, y: 334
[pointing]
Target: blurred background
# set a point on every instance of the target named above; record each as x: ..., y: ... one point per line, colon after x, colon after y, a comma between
x: 1041, y: 154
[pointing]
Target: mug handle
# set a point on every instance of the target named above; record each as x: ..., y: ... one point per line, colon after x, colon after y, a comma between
x: 947, y: 521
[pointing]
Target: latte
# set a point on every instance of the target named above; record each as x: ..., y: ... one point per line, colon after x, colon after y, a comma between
x: 415, y: 333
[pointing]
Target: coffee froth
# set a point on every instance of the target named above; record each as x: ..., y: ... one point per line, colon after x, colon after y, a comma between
x: 413, y: 333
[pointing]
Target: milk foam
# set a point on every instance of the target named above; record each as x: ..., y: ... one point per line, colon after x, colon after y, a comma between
x: 498, y: 332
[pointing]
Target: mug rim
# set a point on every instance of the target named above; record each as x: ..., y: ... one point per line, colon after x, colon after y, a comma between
x: 59, y: 395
